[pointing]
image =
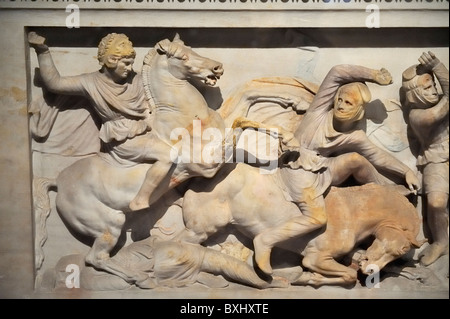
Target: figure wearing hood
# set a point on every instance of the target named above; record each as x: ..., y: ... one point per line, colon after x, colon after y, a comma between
x: 428, y: 120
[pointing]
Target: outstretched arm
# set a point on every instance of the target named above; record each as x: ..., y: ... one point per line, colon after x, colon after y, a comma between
x: 343, y: 74
x: 50, y: 75
x: 382, y: 160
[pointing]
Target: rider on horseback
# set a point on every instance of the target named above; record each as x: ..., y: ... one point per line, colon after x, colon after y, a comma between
x: 331, y: 150
x: 116, y: 93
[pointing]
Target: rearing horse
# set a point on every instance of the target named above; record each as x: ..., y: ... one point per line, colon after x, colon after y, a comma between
x: 179, y: 109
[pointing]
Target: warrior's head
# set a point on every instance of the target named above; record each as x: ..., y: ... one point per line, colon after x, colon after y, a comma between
x: 114, y: 47
x: 116, y: 55
x: 419, y: 88
x: 349, y: 102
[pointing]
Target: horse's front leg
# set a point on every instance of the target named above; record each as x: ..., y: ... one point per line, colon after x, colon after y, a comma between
x: 204, y: 214
x: 325, y: 265
x: 315, y: 279
x: 99, y: 254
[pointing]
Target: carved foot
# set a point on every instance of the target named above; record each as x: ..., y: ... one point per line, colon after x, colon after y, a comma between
x: 292, y: 274
x: 147, y: 283
x: 262, y: 255
x: 279, y: 282
x: 430, y: 254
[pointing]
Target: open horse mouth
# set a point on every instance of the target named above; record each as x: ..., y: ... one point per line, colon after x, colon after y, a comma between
x: 215, y: 75
x: 211, y: 79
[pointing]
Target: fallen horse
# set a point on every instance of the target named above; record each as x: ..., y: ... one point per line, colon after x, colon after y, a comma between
x: 254, y: 202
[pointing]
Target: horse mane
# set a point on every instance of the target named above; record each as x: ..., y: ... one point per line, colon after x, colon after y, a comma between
x: 146, y: 70
x: 170, y: 49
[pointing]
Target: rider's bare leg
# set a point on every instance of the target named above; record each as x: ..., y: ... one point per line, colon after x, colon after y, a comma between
x: 217, y: 263
x: 156, y: 173
x: 314, y: 217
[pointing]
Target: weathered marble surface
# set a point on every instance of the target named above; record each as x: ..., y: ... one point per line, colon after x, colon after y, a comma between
x: 260, y: 62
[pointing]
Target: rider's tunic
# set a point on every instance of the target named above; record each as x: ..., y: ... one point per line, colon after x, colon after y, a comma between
x: 433, y: 158
x: 125, y: 115
x: 122, y: 108
x: 320, y: 142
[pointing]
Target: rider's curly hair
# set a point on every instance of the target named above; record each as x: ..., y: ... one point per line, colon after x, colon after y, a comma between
x: 115, y: 45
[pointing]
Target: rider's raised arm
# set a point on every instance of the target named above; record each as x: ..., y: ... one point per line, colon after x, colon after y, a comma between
x: 344, y: 74
x: 49, y: 74
x: 430, y: 116
x: 432, y: 63
x: 442, y: 75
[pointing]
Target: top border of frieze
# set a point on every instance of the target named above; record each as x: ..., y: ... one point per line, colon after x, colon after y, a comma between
x: 229, y: 4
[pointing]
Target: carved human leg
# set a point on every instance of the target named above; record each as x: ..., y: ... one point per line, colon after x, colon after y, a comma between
x: 150, y: 149
x: 156, y: 173
x: 437, y: 220
x: 219, y: 263
x: 314, y: 217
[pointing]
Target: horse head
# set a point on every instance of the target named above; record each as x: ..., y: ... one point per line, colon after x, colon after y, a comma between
x: 389, y: 244
x: 184, y: 63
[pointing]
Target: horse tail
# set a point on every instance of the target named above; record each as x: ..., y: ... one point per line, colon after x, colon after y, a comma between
x: 42, y: 209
